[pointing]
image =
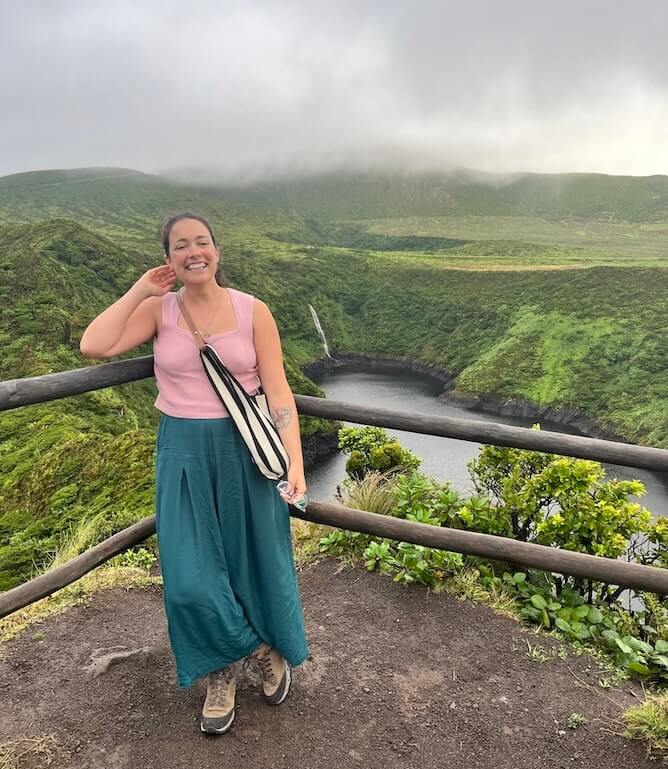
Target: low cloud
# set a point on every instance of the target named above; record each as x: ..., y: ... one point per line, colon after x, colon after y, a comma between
x: 264, y: 88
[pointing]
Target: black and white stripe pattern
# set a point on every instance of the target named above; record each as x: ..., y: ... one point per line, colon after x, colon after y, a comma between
x: 254, y: 424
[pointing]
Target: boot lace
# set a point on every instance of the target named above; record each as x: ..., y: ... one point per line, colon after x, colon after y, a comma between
x: 218, y: 685
x: 266, y: 669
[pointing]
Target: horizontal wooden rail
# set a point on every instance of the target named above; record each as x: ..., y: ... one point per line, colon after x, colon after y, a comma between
x: 524, y: 554
x: 552, y: 559
x: 23, y: 392
x: 61, y: 576
x: 489, y: 432
x: 49, y: 387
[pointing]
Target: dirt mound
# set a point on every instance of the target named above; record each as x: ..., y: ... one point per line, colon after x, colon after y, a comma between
x: 398, y: 677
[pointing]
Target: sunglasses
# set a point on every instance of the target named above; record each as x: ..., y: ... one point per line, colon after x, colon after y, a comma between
x: 284, y: 487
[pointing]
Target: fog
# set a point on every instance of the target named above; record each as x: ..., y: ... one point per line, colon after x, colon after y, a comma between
x: 252, y: 89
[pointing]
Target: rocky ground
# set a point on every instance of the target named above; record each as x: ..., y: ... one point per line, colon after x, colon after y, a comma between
x: 398, y: 677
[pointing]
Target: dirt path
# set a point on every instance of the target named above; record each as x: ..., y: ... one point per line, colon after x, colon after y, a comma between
x: 398, y: 677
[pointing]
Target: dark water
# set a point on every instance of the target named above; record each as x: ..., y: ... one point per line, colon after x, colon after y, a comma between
x: 442, y: 458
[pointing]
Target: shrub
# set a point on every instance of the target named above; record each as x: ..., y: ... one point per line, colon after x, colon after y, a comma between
x: 371, y: 449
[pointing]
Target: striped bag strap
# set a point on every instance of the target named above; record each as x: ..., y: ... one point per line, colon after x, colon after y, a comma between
x: 256, y: 428
x: 253, y: 423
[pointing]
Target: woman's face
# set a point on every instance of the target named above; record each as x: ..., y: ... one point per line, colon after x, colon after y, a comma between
x: 192, y: 253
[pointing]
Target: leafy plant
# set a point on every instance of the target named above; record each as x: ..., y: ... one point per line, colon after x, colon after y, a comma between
x: 141, y: 558
x: 557, y: 501
x: 340, y: 542
x: 371, y: 449
x: 576, y: 720
x: 424, y: 500
x: 379, y: 555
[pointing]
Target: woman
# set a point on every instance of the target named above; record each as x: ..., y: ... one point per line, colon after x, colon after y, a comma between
x: 223, y: 531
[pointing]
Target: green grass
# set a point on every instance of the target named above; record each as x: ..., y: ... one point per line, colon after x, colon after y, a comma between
x: 590, y: 241
x: 648, y: 722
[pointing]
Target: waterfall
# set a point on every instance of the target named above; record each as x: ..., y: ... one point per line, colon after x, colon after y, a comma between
x: 318, y: 328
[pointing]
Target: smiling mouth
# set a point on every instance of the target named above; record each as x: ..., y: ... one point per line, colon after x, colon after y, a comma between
x: 196, y: 266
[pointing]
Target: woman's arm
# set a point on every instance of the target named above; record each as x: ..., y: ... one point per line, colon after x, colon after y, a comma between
x: 130, y: 321
x: 279, y: 396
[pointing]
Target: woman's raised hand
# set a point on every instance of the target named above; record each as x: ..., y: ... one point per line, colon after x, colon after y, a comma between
x: 157, y: 281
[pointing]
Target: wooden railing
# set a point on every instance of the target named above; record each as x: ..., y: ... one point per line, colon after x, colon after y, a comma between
x: 23, y: 392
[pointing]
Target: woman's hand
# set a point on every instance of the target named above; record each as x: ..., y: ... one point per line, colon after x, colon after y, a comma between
x: 157, y: 281
x: 296, y: 486
x: 130, y: 321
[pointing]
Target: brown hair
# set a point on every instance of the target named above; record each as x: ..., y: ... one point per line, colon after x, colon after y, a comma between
x: 167, y: 229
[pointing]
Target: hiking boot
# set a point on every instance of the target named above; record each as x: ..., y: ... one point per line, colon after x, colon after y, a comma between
x: 218, y: 709
x: 275, y: 673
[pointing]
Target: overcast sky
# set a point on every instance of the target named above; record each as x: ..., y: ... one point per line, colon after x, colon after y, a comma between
x: 262, y: 86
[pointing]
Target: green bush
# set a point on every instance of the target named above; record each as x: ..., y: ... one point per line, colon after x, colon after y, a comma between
x: 556, y: 501
x: 371, y: 449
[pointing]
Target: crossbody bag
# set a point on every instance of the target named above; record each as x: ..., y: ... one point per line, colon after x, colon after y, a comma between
x: 250, y: 413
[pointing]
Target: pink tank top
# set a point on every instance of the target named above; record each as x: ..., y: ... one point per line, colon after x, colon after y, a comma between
x: 183, y: 389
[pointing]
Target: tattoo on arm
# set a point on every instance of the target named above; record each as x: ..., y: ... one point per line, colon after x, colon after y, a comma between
x: 282, y: 417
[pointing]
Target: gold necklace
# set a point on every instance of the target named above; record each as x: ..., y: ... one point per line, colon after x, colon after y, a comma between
x: 206, y: 333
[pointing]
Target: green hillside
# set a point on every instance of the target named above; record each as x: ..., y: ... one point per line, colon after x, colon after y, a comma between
x: 342, y: 196
x: 348, y: 196
x: 600, y: 219
x: 555, y: 322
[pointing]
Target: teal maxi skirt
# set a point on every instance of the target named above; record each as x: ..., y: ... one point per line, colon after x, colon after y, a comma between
x: 225, y: 550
